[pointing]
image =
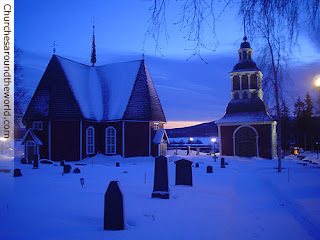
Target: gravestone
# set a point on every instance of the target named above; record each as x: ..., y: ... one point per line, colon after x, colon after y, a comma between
x: 188, y: 150
x: 161, y: 183
x: 67, y: 168
x: 76, y: 170
x: 198, y: 151
x: 183, y: 172
x: 62, y: 163
x: 113, y: 207
x: 36, y: 162
x: 117, y: 164
x: 197, y: 165
x: 209, y: 169
x: 222, y: 163
x: 24, y: 161
x: 17, y: 172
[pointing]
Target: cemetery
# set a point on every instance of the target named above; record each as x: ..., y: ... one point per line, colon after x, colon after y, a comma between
x: 175, y: 197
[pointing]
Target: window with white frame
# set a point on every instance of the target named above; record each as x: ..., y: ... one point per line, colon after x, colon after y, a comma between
x: 90, y: 140
x: 37, y: 125
x: 156, y: 126
x: 110, y: 140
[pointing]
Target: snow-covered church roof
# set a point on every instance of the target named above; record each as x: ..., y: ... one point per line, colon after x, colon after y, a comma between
x: 119, y: 91
x: 249, y: 110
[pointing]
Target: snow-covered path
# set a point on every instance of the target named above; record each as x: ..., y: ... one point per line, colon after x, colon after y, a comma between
x: 246, y: 200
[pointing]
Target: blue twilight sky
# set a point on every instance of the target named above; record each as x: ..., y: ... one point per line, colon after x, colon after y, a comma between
x: 190, y: 91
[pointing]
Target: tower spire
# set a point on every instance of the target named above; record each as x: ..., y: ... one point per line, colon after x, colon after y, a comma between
x: 244, y: 30
x: 93, y: 50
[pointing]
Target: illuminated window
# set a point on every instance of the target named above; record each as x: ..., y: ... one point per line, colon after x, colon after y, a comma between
x: 37, y: 125
x: 110, y: 140
x: 90, y: 140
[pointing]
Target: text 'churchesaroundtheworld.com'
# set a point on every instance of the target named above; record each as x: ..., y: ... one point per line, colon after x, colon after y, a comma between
x: 7, y: 80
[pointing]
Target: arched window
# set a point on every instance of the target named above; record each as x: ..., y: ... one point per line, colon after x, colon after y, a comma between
x: 253, y: 81
x: 90, y: 140
x: 250, y: 55
x: 111, y: 140
x: 245, y: 95
x: 236, y: 83
x: 239, y: 55
x: 244, y: 82
x: 236, y: 95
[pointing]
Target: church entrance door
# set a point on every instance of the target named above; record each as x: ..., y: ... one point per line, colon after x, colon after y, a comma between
x: 246, y: 142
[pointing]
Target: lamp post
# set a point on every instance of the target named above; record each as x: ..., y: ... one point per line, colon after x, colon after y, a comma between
x: 214, y: 148
x: 191, y: 141
x: 2, y: 139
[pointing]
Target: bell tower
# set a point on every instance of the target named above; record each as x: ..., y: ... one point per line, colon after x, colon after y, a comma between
x: 246, y: 77
x: 247, y: 129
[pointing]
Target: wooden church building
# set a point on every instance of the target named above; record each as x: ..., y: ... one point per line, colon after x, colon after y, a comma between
x: 247, y: 129
x: 79, y: 110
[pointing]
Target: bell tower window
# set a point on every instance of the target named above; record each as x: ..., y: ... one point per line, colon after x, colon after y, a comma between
x: 253, y: 82
x: 236, y: 83
x: 244, y: 82
x: 244, y: 55
x: 236, y: 96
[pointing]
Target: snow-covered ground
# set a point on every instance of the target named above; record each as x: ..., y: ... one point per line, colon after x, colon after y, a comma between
x: 248, y: 199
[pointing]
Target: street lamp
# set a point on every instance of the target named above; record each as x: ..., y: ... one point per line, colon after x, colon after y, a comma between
x: 214, y: 148
x: 316, y: 80
x: 2, y: 139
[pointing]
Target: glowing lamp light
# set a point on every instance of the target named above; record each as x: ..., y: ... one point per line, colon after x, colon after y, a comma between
x: 191, y: 139
x: 317, y: 80
x: 213, y: 140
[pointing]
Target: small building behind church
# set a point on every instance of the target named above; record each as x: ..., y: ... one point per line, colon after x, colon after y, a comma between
x: 247, y: 129
x: 78, y: 111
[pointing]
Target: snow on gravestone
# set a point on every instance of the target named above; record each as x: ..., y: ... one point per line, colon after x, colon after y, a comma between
x: 113, y: 207
x: 183, y: 172
x: 161, y: 183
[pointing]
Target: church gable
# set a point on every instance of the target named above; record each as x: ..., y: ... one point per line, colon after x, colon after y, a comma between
x: 53, y: 96
x: 144, y: 104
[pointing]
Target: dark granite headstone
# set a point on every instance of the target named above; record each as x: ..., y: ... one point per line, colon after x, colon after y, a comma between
x: 62, y: 163
x: 36, y: 162
x: 17, y: 172
x: 197, y: 165
x: 24, y: 161
x: 183, y: 172
x: 209, y: 169
x: 117, y: 164
x: 161, y: 183
x: 76, y: 170
x: 67, y: 168
x: 113, y: 207
x: 222, y: 163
